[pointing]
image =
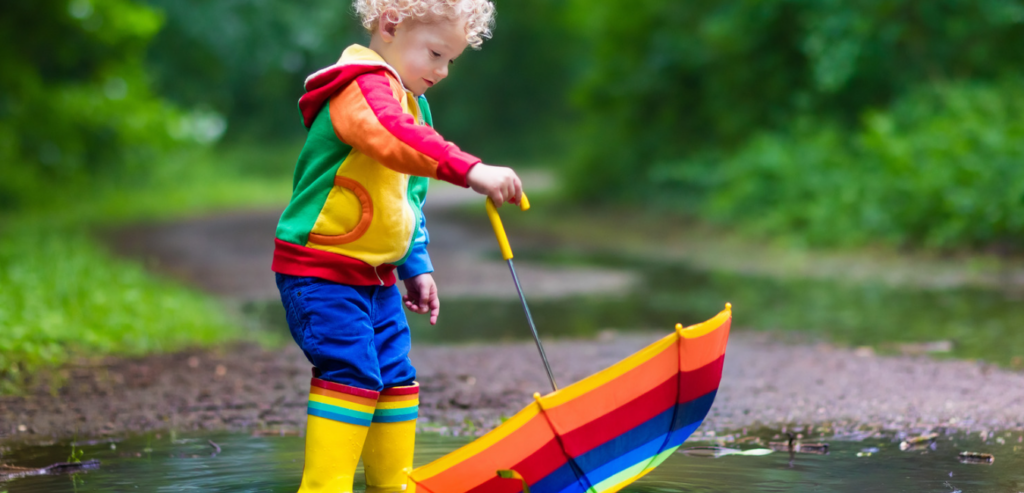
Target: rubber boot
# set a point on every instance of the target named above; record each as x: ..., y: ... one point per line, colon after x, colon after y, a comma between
x: 387, y: 455
x: 338, y: 421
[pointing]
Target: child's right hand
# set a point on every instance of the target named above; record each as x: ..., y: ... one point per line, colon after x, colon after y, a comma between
x: 499, y: 183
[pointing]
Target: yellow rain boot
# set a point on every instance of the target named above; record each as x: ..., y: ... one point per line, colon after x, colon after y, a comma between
x: 338, y: 420
x: 387, y: 455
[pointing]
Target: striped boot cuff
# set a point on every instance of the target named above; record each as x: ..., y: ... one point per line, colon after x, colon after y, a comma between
x: 398, y: 404
x: 338, y: 402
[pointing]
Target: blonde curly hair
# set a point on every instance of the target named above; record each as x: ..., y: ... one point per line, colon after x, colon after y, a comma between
x: 479, y: 14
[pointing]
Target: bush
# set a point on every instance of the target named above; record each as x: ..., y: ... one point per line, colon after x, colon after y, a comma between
x: 76, y: 102
x: 943, y: 167
x: 248, y: 59
x: 668, y: 80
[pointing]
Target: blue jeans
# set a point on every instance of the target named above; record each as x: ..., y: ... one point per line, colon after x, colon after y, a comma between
x: 354, y: 335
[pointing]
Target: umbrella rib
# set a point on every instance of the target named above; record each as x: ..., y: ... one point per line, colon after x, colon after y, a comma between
x: 581, y: 477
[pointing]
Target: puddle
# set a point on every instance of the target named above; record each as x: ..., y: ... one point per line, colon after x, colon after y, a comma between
x: 840, y: 471
x: 186, y: 463
x: 963, y: 323
x: 273, y: 464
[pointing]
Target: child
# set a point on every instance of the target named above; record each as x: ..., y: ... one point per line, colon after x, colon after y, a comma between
x: 355, y: 218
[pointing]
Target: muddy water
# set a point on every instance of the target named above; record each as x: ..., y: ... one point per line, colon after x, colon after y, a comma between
x: 169, y: 463
x: 960, y: 322
x: 963, y: 323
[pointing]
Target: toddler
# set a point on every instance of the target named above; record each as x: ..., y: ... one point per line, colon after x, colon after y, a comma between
x: 355, y: 220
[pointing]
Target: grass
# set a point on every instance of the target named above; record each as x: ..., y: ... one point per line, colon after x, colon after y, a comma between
x: 188, y: 182
x: 63, y: 295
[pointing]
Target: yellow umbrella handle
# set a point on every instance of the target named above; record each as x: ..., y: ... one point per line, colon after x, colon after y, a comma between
x: 506, y: 252
x: 499, y: 230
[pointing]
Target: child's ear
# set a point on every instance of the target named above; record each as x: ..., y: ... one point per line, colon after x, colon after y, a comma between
x: 387, y: 27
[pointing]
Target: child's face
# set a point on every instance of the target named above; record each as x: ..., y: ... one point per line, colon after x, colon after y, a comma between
x: 422, y: 51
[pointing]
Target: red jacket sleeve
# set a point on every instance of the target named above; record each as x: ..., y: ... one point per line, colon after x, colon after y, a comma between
x: 367, y: 116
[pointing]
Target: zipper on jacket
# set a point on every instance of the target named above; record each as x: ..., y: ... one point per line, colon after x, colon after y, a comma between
x: 378, y: 275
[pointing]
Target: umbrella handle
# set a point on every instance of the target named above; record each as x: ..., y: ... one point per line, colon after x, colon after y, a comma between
x: 499, y: 229
x: 506, y: 252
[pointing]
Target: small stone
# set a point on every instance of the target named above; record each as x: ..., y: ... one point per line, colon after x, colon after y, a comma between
x: 221, y: 370
x: 22, y: 428
x: 193, y: 362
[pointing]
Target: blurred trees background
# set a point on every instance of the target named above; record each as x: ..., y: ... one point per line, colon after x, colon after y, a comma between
x: 829, y: 121
x: 75, y: 100
x: 835, y: 121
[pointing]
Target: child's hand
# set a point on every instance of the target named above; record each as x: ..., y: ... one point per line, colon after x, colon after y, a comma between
x: 499, y: 183
x: 421, y: 296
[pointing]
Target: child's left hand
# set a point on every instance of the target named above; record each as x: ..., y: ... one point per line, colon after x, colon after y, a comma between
x: 422, y: 296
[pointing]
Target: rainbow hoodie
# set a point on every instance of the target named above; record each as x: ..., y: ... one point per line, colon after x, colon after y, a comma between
x: 357, y: 195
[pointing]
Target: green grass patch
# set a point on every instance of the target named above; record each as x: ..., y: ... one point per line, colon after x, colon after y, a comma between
x: 63, y: 295
x: 187, y: 182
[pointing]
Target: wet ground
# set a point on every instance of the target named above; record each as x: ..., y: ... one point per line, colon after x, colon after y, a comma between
x: 469, y: 388
x: 166, y: 462
x: 815, y: 362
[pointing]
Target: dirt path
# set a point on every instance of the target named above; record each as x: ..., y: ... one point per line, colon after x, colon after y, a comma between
x: 229, y: 254
x: 469, y: 388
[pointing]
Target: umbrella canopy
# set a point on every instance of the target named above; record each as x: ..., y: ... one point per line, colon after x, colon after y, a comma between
x: 601, y: 433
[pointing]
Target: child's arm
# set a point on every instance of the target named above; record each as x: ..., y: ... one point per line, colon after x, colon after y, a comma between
x: 366, y: 115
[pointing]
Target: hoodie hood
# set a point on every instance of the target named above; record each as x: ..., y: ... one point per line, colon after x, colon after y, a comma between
x: 356, y: 60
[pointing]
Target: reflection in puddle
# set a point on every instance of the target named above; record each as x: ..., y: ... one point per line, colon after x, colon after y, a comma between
x: 162, y: 463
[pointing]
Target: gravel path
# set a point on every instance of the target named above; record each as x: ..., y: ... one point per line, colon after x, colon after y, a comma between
x: 469, y: 388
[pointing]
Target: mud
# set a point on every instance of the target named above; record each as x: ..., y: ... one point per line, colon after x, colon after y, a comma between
x: 468, y: 389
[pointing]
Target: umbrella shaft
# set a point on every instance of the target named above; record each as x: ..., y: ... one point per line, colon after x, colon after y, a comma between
x: 529, y: 318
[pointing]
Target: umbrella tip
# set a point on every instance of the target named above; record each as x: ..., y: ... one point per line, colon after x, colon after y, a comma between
x: 679, y: 327
x: 728, y: 306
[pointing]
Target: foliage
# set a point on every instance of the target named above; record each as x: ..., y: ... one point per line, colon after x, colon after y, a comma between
x: 190, y: 181
x: 942, y: 168
x: 247, y: 59
x: 76, y: 454
x: 75, y: 98
x: 670, y: 80
x: 63, y: 296
x: 508, y: 103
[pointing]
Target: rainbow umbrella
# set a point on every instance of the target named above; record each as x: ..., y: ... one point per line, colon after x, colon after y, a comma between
x: 599, y: 434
